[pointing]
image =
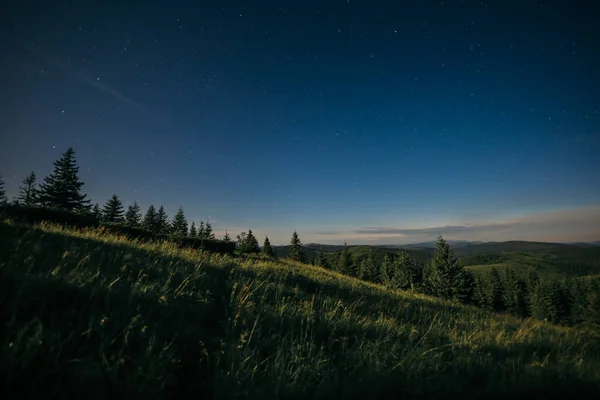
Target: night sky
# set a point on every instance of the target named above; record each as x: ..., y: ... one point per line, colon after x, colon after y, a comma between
x: 365, y: 121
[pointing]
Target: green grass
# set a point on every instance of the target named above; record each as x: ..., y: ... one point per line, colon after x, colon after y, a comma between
x: 89, y: 314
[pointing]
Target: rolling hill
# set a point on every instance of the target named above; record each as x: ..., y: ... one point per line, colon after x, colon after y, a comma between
x: 546, y: 259
x: 89, y: 314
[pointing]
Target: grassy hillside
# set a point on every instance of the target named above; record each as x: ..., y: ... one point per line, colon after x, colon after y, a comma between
x: 89, y: 314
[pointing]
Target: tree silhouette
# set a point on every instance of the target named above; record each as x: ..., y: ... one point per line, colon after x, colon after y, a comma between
x: 3, y: 199
x: 133, y: 216
x: 179, y: 226
x: 207, y: 232
x: 267, y: 248
x: 112, y: 212
x: 150, y: 222
x: 445, y: 277
x: 247, y: 243
x: 27, y: 192
x: 296, y: 250
x: 193, y: 231
x: 162, y: 222
x: 62, y: 188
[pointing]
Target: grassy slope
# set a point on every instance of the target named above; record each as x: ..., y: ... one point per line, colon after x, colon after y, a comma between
x: 91, y: 314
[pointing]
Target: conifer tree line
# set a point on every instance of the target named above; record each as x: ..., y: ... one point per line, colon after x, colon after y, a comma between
x: 3, y: 199
x: 567, y: 301
x: 62, y: 190
x: 442, y: 276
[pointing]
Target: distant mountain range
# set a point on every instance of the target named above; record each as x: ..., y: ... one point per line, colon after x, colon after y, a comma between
x: 597, y: 243
x: 462, y: 243
x: 432, y: 244
x: 462, y: 248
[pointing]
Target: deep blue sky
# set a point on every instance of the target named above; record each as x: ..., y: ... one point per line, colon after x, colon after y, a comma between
x: 365, y: 121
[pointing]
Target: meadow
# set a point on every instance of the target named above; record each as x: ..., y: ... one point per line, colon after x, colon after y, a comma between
x: 89, y: 313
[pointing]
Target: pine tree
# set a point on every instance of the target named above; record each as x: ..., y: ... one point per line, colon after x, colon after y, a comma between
x: 321, y: 260
x: 252, y: 243
x: 62, y: 188
x: 384, y: 271
x: 150, y: 222
x: 28, y: 193
x: 344, y: 262
x: 563, y: 298
x: 296, y: 250
x: 179, y: 226
x: 193, y: 231
x: 247, y: 243
x: 162, y: 222
x: 371, y: 273
x: 498, y: 290
x: 581, y: 291
x: 361, y: 267
x: 524, y: 307
x: 201, y: 230
x: 226, y: 238
x: 405, y: 272
x: 446, y: 278
x: 511, y: 292
x: 543, y: 304
x: 241, y: 243
x: 97, y: 213
x: 593, y: 309
x: 112, y: 212
x: 208, y: 231
x: 482, y: 296
x: 3, y: 199
x: 133, y: 216
x: 533, y: 279
x: 267, y: 248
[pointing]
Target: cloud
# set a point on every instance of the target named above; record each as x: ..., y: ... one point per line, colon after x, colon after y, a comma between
x: 441, y: 230
x: 579, y: 224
